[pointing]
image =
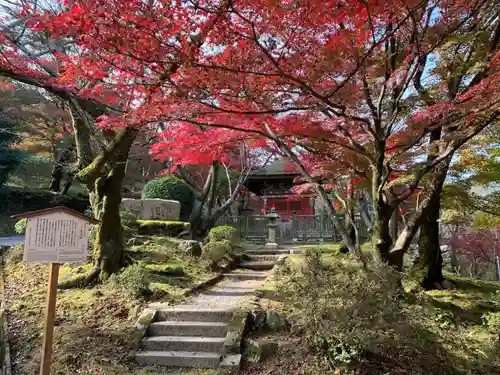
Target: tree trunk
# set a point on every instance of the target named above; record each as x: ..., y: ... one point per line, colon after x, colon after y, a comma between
x: 103, y: 178
x: 429, y: 252
x: 381, y: 235
x: 349, y: 223
x: 57, y: 175
x: 394, y: 225
x: 108, y: 247
x: 58, y: 170
x: 68, y: 183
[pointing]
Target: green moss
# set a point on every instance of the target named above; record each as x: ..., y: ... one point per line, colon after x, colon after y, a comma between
x: 217, y: 251
x: 223, y: 233
x: 160, y: 227
x: 67, y: 271
x: 161, y: 222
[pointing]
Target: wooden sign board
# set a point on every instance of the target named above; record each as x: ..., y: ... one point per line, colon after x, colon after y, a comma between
x: 56, y: 237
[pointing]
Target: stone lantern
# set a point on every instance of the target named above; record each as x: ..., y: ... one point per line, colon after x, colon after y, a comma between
x: 273, y: 218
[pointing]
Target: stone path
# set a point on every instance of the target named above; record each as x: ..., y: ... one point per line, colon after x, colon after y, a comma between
x: 194, y: 334
x: 231, y: 291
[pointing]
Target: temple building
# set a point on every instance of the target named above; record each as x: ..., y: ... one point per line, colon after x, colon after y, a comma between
x: 271, y: 187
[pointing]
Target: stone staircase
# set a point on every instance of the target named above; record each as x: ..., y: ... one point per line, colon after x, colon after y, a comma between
x: 195, y: 335
x: 262, y: 259
x: 185, y: 338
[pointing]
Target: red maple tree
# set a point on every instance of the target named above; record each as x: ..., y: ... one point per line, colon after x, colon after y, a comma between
x: 369, y: 79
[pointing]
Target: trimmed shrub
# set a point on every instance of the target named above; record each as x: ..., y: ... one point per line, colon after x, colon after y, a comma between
x: 217, y: 251
x: 20, y: 226
x: 134, y: 281
x: 160, y: 227
x: 222, y: 233
x: 170, y: 187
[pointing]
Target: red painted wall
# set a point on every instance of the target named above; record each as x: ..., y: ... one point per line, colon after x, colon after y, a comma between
x: 284, y: 206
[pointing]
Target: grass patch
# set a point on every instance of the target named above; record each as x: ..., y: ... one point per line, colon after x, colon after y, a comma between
x: 94, y: 326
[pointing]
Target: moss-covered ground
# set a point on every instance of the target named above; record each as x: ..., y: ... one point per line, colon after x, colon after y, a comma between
x: 94, y: 326
x: 451, y: 330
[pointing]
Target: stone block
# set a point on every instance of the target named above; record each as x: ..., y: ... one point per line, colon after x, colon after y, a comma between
x: 230, y: 362
x: 192, y: 248
x: 145, y: 319
x: 152, y: 209
x: 235, y: 333
x: 259, y: 350
x: 271, y: 245
x: 275, y: 321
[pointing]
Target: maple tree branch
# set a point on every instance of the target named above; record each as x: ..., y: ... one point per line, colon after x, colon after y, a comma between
x: 369, y: 101
x: 453, y: 146
x: 359, y: 64
x: 263, y: 112
x: 186, y: 177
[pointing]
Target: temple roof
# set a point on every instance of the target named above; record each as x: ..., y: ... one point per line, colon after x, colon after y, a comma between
x: 281, y: 167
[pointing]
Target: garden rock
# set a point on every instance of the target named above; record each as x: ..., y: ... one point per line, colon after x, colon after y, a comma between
x: 258, y: 319
x: 275, y: 321
x: 145, y: 319
x: 259, y: 350
x: 232, y: 343
x: 191, y: 247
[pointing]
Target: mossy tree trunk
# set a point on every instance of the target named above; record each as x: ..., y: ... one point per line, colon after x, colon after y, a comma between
x: 103, y: 178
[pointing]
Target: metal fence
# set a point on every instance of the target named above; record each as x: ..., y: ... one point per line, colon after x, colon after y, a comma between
x: 301, y: 228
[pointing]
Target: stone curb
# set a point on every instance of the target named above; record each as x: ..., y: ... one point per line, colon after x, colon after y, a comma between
x: 4, y: 341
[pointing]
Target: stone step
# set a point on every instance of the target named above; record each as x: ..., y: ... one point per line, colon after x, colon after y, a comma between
x: 246, y: 275
x: 191, y: 314
x: 262, y: 258
x: 184, y: 343
x: 179, y: 359
x: 187, y: 328
x: 258, y: 266
x: 267, y: 252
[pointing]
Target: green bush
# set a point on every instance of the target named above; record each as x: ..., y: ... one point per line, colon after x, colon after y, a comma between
x: 173, y: 188
x: 20, y: 226
x: 222, y: 233
x: 217, y: 251
x: 133, y: 281
x: 162, y: 228
x: 344, y: 309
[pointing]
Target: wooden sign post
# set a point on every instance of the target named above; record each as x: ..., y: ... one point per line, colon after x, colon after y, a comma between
x: 54, y: 236
x: 50, y: 316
